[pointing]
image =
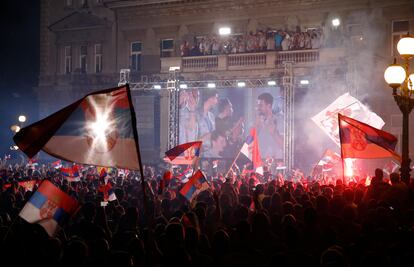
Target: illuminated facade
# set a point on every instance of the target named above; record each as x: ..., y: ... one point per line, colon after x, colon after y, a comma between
x: 84, y: 44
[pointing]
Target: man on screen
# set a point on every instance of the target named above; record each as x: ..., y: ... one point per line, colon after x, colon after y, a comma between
x: 269, y: 128
x: 206, y: 119
x: 218, y: 144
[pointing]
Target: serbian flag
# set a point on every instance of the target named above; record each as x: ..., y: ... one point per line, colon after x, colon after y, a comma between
x: 359, y: 140
x: 184, y: 154
x: 250, y: 152
x: 185, y: 175
x: 50, y: 207
x: 27, y: 185
x: 108, y: 192
x: 57, y: 164
x: 71, y: 174
x: 195, y: 185
x: 99, y: 129
x: 329, y: 160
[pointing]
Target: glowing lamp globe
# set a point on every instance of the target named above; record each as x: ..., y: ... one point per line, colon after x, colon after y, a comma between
x: 22, y: 118
x: 394, y: 75
x: 405, y: 46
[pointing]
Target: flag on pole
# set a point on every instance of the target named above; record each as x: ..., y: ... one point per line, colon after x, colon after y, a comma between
x: 95, y: 130
x: 327, y: 119
x: 184, y: 154
x: 186, y: 174
x: 108, y: 192
x: 195, y: 185
x: 71, y: 174
x: 250, y: 153
x: 50, y: 207
x: 329, y: 160
x: 360, y: 140
x: 391, y: 167
x: 57, y: 164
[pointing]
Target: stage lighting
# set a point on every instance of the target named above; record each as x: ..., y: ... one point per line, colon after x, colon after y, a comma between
x: 183, y: 86
x: 241, y: 84
x: 174, y: 68
x: 304, y: 82
x: 224, y: 30
x: 211, y: 85
x: 336, y: 22
x: 271, y: 83
x: 157, y: 86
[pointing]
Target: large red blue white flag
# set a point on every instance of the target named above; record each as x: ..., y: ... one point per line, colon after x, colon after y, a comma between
x: 194, y: 186
x: 184, y: 154
x: 360, y: 140
x: 50, y: 207
x: 71, y: 174
x: 98, y: 129
x: 327, y: 119
x: 250, y: 151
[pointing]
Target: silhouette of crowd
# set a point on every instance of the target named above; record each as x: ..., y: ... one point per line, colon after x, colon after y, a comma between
x: 237, y: 222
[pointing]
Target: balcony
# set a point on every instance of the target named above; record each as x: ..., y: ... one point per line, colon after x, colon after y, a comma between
x: 248, y: 61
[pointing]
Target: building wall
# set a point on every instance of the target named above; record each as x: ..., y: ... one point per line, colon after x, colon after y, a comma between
x: 345, y: 62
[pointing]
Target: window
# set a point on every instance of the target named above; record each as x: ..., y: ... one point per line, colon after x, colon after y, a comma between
x: 68, y: 59
x: 167, y: 47
x: 399, y: 28
x: 83, y: 56
x: 136, y: 49
x: 98, y: 58
x: 68, y: 3
x: 83, y: 3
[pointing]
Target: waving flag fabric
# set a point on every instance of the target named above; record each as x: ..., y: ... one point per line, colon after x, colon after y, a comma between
x: 71, y: 174
x: 98, y: 129
x: 108, y: 192
x: 184, y: 154
x: 50, y: 207
x: 360, y: 140
x: 329, y: 160
x: 327, y: 119
x: 57, y: 164
x: 250, y: 151
x: 195, y: 185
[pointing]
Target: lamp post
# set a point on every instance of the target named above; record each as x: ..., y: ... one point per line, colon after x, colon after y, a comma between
x: 402, y: 83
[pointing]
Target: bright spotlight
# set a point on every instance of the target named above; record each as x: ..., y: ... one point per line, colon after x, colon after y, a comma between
x: 271, y: 83
x: 22, y: 118
x: 336, y: 22
x: 304, y: 82
x: 100, y: 127
x: 211, y: 85
x: 224, y: 30
x: 183, y: 86
x: 241, y: 84
x: 157, y: 86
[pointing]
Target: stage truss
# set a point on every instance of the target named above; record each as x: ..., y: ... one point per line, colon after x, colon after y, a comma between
x: 174, y: 85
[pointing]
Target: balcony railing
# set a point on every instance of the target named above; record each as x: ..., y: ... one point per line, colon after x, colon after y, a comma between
x: 200, y: 63
x: 300, y: 56
x: 242, y: 60
x: 245, y: 61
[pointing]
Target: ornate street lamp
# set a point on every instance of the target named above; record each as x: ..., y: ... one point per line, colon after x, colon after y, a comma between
x: 402, y: 83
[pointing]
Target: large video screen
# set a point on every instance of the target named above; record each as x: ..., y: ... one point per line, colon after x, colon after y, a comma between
x: 223, y: 119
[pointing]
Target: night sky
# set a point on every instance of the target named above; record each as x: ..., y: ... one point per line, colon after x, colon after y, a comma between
x: 19, y: 72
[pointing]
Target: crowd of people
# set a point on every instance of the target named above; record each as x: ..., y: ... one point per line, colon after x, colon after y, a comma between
x: 238, y: 221
x: 262, y: 40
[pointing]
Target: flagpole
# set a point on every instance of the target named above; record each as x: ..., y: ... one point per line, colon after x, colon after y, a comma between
x: 340, y: 141
x: 135, y: 131
x: 234, y: 161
